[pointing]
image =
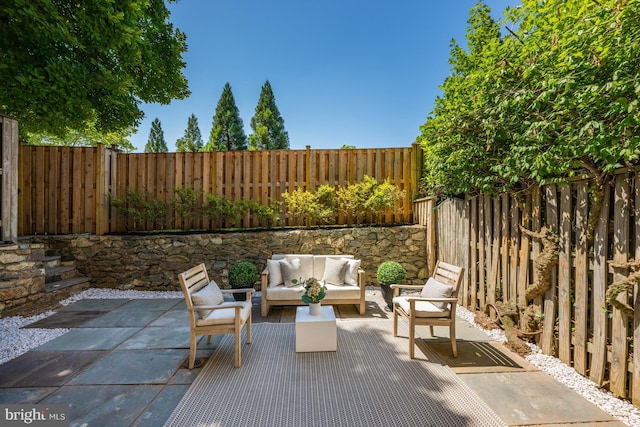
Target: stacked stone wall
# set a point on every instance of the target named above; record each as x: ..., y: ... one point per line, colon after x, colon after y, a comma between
x: 152, y: 262
x: 22, y: 275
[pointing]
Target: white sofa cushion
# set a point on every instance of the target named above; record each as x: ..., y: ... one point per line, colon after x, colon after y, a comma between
x: 291, y: 270
x: 334, y: 271
x: 319, y: 263
x: 435, y: 289
x: 275, y: 274
x: 227, y: 315
x: 351, y: 275
x: 341, y: 292
x: 207, y: 296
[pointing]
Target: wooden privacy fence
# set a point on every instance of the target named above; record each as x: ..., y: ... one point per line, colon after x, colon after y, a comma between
x: 68, y: 189
x: 483, y: 235
x: 8, y: 179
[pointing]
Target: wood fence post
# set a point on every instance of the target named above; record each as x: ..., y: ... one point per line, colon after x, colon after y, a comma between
x: 9, y: 173
x: 102, y: 190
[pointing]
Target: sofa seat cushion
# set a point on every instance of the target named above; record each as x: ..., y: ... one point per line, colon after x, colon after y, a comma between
x: 281, y: 293
x: 341, y: 292
x: 423, y: 308
x: 227, y: 315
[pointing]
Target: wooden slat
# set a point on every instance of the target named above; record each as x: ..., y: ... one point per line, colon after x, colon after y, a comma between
x: 514, y: 252
x: 523, y: 258
x: 481, y: 252
x: 619, y: 351
x: 473, y: 258
x: 635, y: 370
x: 599, y: 287
x: 548, y: 332
x: 581, y: 281
x: 564, y: 277
x: 504, y: 247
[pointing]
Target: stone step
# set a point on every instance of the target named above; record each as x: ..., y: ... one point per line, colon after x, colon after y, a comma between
x: 60, y: 284
x: 51, y: 261
x: 61, y: 272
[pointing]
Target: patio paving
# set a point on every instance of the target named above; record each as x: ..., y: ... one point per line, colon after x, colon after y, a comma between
x: 123, y: 364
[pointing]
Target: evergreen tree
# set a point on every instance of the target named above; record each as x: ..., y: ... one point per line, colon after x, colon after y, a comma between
x: 227, y: 131
x: 192, y: 139
x: 156, y: 142
x: 267, y: 124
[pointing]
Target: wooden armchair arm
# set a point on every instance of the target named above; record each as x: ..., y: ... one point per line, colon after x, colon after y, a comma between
x: 237, y: 290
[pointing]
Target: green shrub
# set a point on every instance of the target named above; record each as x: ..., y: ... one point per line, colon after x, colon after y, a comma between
x: 139, y: 207
x: 367, y: 198
x: 243, y: 274
x: 186, y: 204
x: 312, y: 207
x: 391, y: 272
x: 219, y: 209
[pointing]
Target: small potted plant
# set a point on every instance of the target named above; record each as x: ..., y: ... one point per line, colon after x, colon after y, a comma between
x: 390, y: 273
x: 314, y: 292
x: 242, y: 275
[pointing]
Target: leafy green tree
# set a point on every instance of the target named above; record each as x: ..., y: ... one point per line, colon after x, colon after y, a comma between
x: 67, y: 64
x: 192, y: 139
x: 156, y: 142
x: 227, y: 131
x: 267, y: 124
x: 86, y: 137
x: 555, y: 97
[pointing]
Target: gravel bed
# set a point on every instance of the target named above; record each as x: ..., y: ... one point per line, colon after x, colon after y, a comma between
x: 15, y: 341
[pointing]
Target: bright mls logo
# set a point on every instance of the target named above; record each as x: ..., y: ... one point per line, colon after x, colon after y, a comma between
x: 34, y: 415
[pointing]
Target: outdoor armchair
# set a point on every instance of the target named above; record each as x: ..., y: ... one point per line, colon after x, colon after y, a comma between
x: 434, y: 306
x: 209, y: 314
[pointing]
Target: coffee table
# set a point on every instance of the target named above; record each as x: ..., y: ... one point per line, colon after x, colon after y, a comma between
x: 316, y: 333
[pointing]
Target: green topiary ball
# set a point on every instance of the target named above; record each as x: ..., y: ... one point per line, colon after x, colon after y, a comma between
x: 391, y: 272
x: 243, y: 274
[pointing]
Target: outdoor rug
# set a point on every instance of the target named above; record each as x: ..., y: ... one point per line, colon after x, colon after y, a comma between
x: 369, y: 381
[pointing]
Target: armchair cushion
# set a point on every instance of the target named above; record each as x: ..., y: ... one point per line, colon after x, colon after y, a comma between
x: 207, y: 296
x: 291, y: 269
x: 423, y: 308
x: 435, y: 289
x: 226, y: 316
x: 334, y: 271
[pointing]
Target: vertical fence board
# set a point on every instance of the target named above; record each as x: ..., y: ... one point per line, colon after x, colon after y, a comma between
x: 523, y: 258
x: 619, y: 352
x: 550, y: 298
x: 564, y: 277
x: 473, y: 264
x: 581, y: 281
x: 600, y: 259
x: 635, y: 371
x: 514, y: 251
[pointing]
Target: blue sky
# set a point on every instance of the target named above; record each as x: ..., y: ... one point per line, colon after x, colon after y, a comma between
x: 356, y: 72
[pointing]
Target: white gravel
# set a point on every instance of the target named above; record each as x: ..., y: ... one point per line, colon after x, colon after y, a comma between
x: 15, y: 341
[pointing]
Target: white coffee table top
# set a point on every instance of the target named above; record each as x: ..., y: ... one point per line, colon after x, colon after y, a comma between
x: 326, y: 314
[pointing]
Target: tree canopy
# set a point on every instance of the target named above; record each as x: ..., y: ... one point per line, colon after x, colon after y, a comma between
x: 156, y: 142
x: 267, y: 124
x: 556, y: 96
x: 192, y: 139
x: 65, y: 64
x: 227, y: 130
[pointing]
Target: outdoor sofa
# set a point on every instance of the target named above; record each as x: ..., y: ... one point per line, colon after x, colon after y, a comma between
x: 341, y: 274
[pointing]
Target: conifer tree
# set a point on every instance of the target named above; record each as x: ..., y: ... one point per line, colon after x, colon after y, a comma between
x: 267, y: 124
x: 192, y: 139
x: 227, y: 130
x: 156, y: 142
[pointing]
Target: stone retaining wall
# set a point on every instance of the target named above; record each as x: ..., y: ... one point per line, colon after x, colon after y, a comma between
x: 22, y: 274
x: 152, y: 262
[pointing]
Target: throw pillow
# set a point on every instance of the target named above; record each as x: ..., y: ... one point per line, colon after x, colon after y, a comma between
x: 334, y: 271
x: 351, y: 275
x: 291, y: 270
x: 435, y: 289
x: 209, y: 295
x: 275, y: 274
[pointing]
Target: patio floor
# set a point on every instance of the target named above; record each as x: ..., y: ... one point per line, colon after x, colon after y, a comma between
x: 123, y: 364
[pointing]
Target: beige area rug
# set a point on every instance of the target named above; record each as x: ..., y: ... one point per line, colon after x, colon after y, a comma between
x: 369, y: 381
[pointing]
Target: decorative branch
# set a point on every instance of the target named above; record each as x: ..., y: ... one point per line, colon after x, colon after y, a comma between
x: 544, y: 263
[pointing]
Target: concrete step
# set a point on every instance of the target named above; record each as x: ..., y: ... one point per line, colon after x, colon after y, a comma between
x: 60, y: 284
